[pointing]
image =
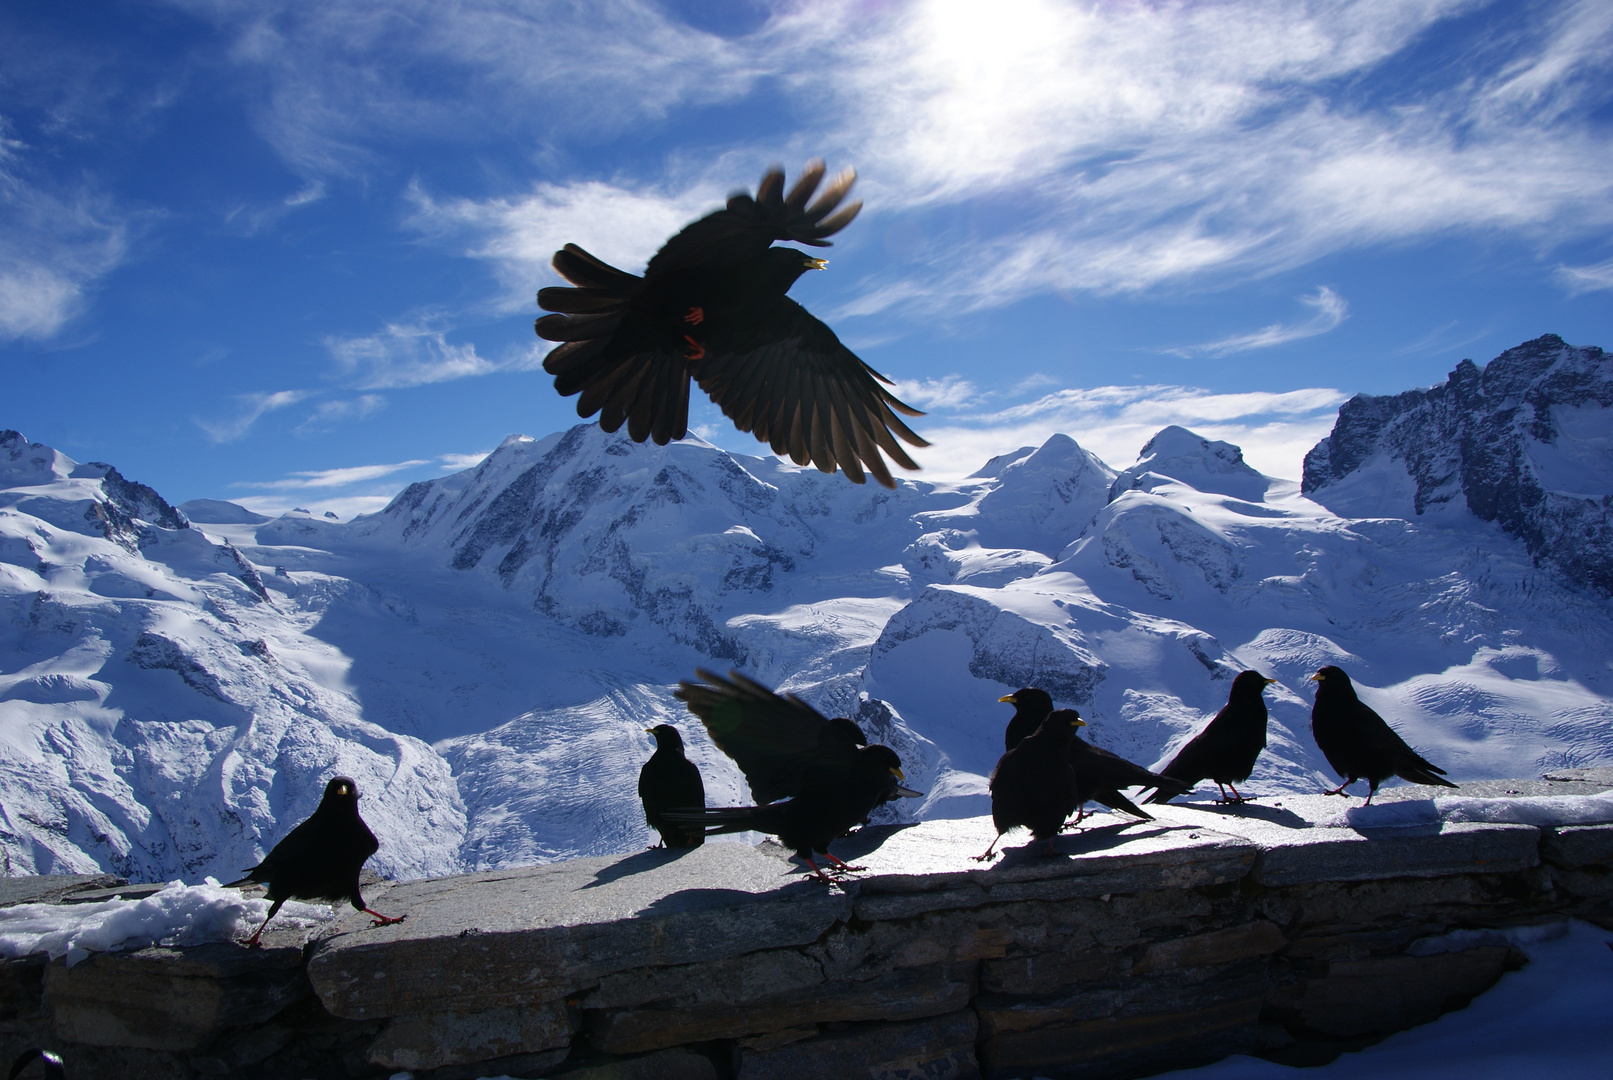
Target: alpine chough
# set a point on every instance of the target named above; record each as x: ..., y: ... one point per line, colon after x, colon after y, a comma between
x: 711, y: 307
x: 320, y: 859
x: 788, y: 751
x: 1031, y: 705
x: 670, y: 781
x: 1358, y: 743
x: 1225, y: 751
x: 1034, y: 784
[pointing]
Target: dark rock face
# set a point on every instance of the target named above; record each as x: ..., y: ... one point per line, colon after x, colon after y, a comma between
x: 1523, y: 441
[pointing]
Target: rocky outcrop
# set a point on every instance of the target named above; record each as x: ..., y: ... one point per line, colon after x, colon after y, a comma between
x: 1522, y: 442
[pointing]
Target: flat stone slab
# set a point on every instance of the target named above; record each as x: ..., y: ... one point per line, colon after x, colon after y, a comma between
x: 52, y: 888
x: 518, y: 937
x: 1310, y: 838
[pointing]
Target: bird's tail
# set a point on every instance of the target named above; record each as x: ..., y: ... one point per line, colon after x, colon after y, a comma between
x: 1114, y: 800
x: 1420, y: 775
x: 1169, y: 788
x: 633, y: 385
x: 721, y: 819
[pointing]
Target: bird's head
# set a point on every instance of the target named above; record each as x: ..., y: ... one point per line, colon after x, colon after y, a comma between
x: 783, y: 265
x: 1332, y: 680
x: 1066, y: 718
x: 340, y: 789
x: 1250, y: 683
x: 1031, y: 699
x: 667, y: 737
x: 842, y: 731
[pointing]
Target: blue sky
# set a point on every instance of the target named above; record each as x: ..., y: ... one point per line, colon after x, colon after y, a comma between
x: 285, y: 253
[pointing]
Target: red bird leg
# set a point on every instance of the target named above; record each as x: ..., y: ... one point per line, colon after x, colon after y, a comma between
x: 695, y: 351
x: 383, y: 920
x: 825, y: 878
x: 1235, y: 796
x: 1050, y: 850
x: 253, y: 944
x: 696, y: 316
x: 1340, y: 790
x: 1222, y: 790
x: 845, y: 867
x: 987, y: 855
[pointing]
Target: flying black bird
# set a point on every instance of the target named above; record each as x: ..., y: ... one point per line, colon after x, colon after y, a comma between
x: 1031, y: 705
x: 1225, y: 751
x: 787, y: 750
x: 670, y: 781
x: 711, y: 306
x: 1034, y: 784
x: 50, y: 1064
x: 1100, y: 774
x: 320, y: 859
x: 1358, y: 743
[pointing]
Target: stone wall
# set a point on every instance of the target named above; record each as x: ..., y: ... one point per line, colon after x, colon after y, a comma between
x: 1276, y: 929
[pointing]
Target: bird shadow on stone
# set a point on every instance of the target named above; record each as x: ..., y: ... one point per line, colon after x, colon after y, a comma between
x: 1069, y: 845
x: 704, y: 899
x: 1274, y: 814
x: 866, y: 840
x: 636, y: 864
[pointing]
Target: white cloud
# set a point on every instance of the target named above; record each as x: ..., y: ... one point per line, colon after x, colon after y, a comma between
x: 407, y: 355
x: 255, y: 406
x: 1584, y: 279
x: 947, y: 392
x: 54, y: 245
x: 329, y: 413
x: 1331, y: 310
x: 458, y: 462
x: 332, y: 478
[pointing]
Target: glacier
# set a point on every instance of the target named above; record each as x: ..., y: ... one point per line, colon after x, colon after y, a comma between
x: 484, y: 655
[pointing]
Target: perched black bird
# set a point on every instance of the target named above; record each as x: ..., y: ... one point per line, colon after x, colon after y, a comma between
x: 1100, y: 774
x: 711, y: 306
x: 50, y: 1064
x: 1034, y: 784
x: 828, y: 779
x: 1358, y: 742
x: 670, y: 781
x: 1225, y: 751
x: 1031, y: 706
x: 320, y: 859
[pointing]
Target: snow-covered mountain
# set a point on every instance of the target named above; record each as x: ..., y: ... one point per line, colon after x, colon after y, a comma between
x: 484, y: 655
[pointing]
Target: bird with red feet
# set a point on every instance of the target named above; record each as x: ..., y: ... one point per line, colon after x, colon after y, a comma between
x: 670, y: 781
x: 711, y: 307
x: 1033, y: 785
x: 321, y: 858
x: 1359, y: 743
x: 1225, y: 751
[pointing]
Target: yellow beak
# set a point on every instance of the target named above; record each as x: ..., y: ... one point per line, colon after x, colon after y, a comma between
x: 818, y: 264
x: 897, y: 773
x: 1008, y: 698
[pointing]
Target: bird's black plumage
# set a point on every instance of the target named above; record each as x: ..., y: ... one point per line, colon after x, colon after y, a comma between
x: 828, y: 779
x: 1033, y: 785
x: 670, y: 781
x: 711, y: 307
x: 1359, y: 743
x: 1225, y: 751
x: 1031, y: 705
x: 321, y: 858
x: 1100, y: 774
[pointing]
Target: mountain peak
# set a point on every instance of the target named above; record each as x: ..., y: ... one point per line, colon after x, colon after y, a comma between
x: 1177, y: 454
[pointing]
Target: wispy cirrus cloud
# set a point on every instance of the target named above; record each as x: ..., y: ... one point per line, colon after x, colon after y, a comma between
x: 1331, y: 310
x: 333, y: 478
x: 414, y: 354
x: 55, y: 244
x: 254, y: 408
x: 1583, y: 279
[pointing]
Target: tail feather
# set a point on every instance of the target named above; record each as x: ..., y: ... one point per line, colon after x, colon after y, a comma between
x: 1114, y: 800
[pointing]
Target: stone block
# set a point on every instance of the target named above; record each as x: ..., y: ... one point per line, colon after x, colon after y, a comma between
x: 675, y: 1064
x: 51, y: 888
x: 1576, y: 847
x: 490, y: 940
x: 1045, y: 1042
x: 171, y: 999
x: 1228, y: 946
x: 431, y: 1040
x: 899, y: 995
x: 1379, y: 995
x: 1050, y: 973
x: 938, y: 1049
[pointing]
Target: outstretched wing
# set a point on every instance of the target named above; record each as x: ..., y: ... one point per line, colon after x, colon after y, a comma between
x: 789, y: 381
x: 748, y: 226
x: 621, y: 374
x: 774, y: 740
